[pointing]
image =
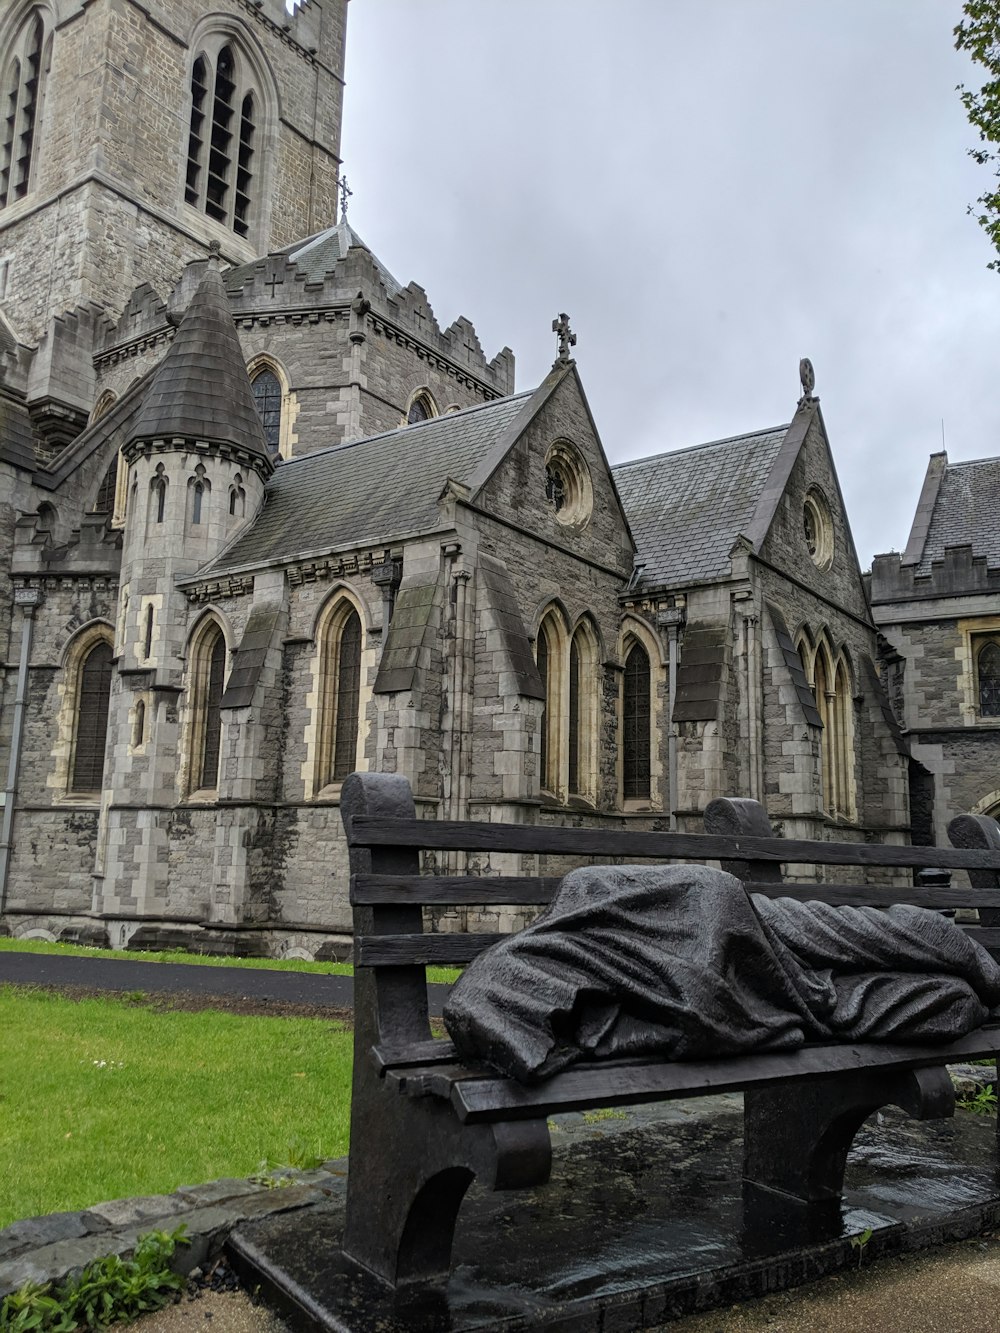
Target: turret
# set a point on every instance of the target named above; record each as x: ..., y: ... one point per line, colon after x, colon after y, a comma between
x: 198, y: 463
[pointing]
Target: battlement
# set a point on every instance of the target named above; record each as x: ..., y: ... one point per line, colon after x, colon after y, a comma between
x: 305, y: 24
x: 959, y: 573
x: 310, y: 285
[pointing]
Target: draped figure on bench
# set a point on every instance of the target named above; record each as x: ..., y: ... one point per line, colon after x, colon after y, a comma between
x: 682, y: 962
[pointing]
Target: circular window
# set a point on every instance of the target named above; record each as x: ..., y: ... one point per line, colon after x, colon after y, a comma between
x: 817, y: 528
x: 568, y: 488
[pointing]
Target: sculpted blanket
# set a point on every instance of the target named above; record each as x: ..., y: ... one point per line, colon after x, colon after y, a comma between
x: 681, y: 962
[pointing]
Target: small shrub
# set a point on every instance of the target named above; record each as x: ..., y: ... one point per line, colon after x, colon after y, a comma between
x: 107, y: 1291
x: 983, y: 1102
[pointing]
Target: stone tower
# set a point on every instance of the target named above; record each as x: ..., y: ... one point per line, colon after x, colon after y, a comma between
x: 197, y: 462
x: 136, y: 135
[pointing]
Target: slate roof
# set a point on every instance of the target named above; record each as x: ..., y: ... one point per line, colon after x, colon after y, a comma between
x: 965, y: 513
x: 16, y: 435
x: 687, y: 508
x: 373, y: 490
x: 316, y: 256
x: 200, y: 390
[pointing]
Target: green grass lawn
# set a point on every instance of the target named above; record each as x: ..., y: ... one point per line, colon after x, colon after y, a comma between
x: 445, y: 975
x: 101, y: 1099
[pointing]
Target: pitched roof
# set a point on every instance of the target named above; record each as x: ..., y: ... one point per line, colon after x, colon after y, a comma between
x: 317, y: 255
x: 686, y: 508
x: 964, y: 514
x: 377, y: 489
x: 17, y: 440
x: 200, y: 390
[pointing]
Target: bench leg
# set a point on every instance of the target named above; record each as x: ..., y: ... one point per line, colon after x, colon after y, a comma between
x: 796, y: 1139
x: 410, y: 1168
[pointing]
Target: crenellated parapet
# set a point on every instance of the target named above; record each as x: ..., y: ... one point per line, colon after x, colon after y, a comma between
x: 144, y: 313
x: 94, y: 548
x: 959, y: 573
x: 322, y: 280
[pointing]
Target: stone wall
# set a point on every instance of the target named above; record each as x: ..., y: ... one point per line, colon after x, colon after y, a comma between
x: 107, y: 204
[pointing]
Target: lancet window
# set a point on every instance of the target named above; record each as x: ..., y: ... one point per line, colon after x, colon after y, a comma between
x: 23, y: 97
x: 222, y: 139
x: 93, y: 696
x: 208, y: 678
x: 636, y: 725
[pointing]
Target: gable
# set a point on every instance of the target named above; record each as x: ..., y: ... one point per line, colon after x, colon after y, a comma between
x: 803, y: 491
x: 552, y: 479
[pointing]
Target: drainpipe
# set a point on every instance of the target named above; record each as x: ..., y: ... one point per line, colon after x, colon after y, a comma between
x: 671, y: 618
x: 28, y: 599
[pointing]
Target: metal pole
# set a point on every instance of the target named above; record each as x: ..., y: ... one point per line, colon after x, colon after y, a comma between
x: 28, y: 599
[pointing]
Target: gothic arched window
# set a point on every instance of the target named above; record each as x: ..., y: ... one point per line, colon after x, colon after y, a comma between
x: 581, y: 710
x: 542, y: 662
x: 340, y: 640
x: 105, y: 501
x: 988, y: 673
x: 422, y: 408
x: 222, y: 137
x: 93, y: 699
x: 23, y: 95
x: 636, y: 717
x: 208, y: 673
x: 268, y: 396
x: 831, y: 685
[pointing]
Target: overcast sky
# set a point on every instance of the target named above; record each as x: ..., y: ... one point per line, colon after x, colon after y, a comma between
x: 712, y: 189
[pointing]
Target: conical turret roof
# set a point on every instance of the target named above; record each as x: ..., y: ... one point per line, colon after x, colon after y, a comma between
x: 201, y: 390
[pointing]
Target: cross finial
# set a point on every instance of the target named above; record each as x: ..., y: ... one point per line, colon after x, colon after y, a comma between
x: 567, y: 338
x: 345, y: 194
x: 807, y: 378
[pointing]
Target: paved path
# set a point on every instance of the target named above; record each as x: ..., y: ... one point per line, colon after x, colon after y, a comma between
x: 122, y: 974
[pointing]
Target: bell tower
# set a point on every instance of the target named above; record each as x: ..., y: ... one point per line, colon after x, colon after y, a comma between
x: 134, y: 136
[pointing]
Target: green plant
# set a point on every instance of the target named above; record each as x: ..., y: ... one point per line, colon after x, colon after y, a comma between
x: 606, y: 1113
x: 983, y: 1102
x: 299, y: 1157
x: 859, y: 1242
x: 111, y: 1290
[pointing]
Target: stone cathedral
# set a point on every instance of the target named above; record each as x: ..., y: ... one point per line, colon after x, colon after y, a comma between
x: 263, y: 521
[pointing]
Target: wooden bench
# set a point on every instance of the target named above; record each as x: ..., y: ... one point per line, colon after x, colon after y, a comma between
x: 423, y: 1126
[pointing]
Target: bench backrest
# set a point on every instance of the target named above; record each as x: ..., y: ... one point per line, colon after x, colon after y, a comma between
x: 389, y: 892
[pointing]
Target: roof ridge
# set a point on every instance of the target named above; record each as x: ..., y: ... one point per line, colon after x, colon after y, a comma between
x: 409, y: 426
x: 970, y: 462
x: 692, y: 448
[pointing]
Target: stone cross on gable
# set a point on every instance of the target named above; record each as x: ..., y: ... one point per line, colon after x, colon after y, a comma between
x: 345, y: 194
x: 567, y: 338
x: 272, y: 282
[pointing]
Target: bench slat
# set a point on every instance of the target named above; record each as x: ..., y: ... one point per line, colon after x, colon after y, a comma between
x: 469, y: 890
x: 481, y: 1098
x: 445, y: 950
x: 452, y: 949
x: 454, y: 889
x: 451, y: 835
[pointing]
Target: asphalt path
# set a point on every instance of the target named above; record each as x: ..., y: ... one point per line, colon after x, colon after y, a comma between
x: 122, y: 974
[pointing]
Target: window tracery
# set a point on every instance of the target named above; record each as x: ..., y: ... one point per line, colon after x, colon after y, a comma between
x: 829, y: 676
x: 341, y: 694
x: 636, y: 729
x: 207, y: 681
x: 568, y: 729
x: 24, y: 77
x: 421, y: 408
x: 221, y: 179
x: 267, y: 394
x: 93, y: 698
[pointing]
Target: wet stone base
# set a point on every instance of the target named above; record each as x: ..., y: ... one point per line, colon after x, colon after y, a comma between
x: 644, y: 1221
